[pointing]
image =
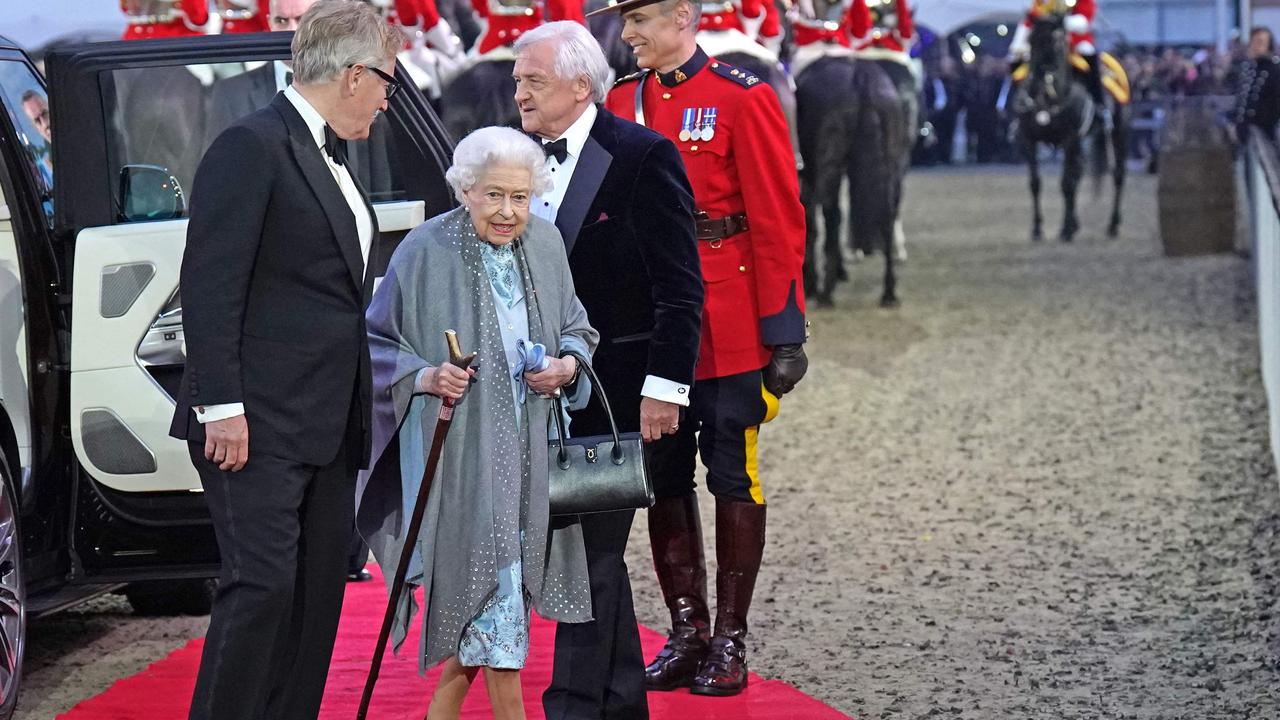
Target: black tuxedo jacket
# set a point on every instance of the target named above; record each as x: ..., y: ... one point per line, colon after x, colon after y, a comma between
x: 273, y: 294
x: 627, y: 222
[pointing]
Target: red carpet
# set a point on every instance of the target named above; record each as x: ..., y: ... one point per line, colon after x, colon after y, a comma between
x: 163, y: 690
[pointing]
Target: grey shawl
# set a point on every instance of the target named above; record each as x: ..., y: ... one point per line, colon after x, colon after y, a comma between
x: 435, y: 282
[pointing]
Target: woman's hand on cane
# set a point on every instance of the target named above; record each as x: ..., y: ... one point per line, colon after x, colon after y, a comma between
x: 447, y: 381
x: 559, y: 372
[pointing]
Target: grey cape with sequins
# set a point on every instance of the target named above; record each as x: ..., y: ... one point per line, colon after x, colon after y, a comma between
x: 483, y: 495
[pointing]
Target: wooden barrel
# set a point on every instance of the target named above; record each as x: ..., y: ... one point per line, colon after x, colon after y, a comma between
x: 1196, y: 188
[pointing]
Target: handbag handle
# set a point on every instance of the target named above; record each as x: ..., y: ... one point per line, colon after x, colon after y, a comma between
x: 562, y: 455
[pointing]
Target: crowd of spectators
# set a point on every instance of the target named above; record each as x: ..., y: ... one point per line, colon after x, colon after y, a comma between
x: 971, y: 97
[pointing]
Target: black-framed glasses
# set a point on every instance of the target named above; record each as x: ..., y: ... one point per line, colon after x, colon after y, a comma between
x: 392, y: 84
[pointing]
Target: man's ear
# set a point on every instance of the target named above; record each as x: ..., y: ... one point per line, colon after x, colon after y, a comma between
x: 581, y: 88
x: 684, y: 14
x: 354, y: 75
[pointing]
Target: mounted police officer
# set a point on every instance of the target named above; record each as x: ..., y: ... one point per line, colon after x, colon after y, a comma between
x: 730, y: 131
x: 1078, y: 18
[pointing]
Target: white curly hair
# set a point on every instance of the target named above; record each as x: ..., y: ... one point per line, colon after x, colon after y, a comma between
x: 495, y: 145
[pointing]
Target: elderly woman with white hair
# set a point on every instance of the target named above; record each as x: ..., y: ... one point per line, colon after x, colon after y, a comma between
x: 487, y: 553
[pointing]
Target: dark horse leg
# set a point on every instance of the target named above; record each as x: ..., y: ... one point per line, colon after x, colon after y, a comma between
x: 820, y: 286
x: 889, y: 297
x: 833, y: 262
x: 1033, y: 167
x: 1072, y: 170
x: 809, y: 273
x: 1120, y: 146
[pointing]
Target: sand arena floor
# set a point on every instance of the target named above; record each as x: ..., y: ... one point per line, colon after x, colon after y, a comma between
x: 1039, y: 489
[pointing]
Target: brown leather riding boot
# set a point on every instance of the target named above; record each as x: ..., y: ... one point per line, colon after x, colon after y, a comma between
x: 675, y: 534
x: 739, y: 547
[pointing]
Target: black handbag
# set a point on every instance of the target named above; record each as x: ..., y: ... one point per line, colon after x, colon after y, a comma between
x: 599, y: 473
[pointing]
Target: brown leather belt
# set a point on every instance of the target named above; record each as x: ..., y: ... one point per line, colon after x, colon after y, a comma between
x: 709, y: 228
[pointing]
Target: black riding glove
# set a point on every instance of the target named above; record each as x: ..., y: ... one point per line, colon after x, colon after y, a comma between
x: 785, y: 369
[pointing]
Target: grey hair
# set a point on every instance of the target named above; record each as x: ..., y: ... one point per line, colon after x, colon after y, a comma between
x: 333, y: 35
x: 667, y: 7
x: 496, y: 145
x: 578, y: 54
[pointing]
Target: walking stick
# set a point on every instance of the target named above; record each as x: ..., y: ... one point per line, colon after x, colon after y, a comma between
x: 443, y: 421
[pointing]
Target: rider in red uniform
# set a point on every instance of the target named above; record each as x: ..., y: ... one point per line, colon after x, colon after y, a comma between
x: 149, y: 19
x: 877, y: 26
x: 757, y: 19
x: 729, y: 128
x: 1078, y: 22
x: 506, y: 22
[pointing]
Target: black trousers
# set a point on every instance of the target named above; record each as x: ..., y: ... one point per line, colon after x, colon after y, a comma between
x: 599, y: 666
x: 283, y: 531
x: 721, y: 426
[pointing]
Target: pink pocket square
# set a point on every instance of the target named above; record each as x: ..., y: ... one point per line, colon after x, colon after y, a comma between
x: 603, y: 216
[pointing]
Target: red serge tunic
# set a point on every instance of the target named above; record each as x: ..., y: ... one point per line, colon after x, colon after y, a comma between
x: 733, y: 139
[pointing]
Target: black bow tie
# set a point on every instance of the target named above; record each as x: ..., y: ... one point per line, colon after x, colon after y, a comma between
x: 558, y: 150
x: 335, y: 146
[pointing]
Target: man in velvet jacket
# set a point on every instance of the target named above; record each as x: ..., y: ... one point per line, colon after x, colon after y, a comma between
x: 625, y: 208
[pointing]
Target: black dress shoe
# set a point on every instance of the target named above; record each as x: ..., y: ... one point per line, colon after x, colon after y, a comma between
x: 361, y: 575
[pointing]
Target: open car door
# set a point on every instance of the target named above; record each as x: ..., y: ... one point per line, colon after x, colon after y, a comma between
x: 131, y: 122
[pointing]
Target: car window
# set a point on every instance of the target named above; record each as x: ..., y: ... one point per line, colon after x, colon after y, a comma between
x: 28, y: 108
x: 166, y: 117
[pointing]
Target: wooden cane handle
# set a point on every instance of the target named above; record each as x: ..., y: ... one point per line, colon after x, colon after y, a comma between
x: 455, y: 350
x: 456, y: 358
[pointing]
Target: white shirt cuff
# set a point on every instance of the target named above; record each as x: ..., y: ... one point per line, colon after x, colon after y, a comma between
x: 417, y: 383
x: 665, y: 390
x: 209, y: 413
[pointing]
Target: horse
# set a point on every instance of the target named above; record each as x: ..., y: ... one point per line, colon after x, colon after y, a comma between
x: 1053, y: 106
x: 897, y: 66
x: 481, y: 95
x: 851, y: 125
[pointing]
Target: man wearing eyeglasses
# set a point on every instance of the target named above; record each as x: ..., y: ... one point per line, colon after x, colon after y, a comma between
x: 274, y: 401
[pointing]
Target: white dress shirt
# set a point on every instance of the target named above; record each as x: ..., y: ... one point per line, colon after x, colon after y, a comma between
x: 364, y: 223
x: 548, y: 206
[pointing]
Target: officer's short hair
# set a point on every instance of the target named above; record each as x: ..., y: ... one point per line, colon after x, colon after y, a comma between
x: 669, y: 6
x: 578, y: 54
x: 333, y: 35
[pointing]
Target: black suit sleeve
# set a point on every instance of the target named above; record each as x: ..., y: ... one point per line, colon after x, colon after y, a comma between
x: 228, y: 209
x: 662, y: 222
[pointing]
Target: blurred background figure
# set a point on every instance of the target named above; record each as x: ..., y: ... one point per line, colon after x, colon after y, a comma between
x: 36, y: 107
x: 1258, y: 99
